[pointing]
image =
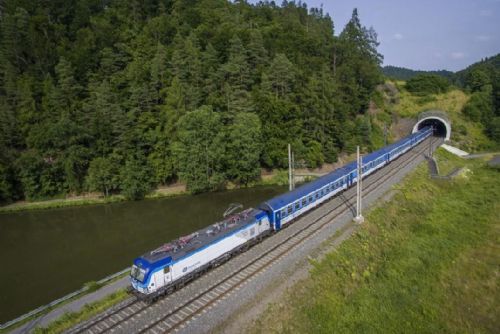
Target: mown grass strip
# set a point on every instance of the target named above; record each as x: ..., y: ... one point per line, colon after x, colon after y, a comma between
x: 70, y: 319
x: 427, y: 261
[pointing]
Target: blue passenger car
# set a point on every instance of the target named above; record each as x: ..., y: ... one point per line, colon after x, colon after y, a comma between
x: 284, y: 208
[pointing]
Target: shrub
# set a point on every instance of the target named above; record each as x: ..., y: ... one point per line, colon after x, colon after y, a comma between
x: 427, y: 84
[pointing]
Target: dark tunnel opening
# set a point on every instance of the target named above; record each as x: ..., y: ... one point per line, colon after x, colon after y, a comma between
x: 438, y: 126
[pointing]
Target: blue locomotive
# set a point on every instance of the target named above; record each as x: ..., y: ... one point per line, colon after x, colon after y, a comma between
x: 172, y: 265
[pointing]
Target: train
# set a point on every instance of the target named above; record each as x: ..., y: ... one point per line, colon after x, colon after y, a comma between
x: 172, y: 265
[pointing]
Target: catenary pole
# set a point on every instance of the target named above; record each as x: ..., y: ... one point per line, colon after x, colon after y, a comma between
x: 289, y: 167
x: 359, y: 189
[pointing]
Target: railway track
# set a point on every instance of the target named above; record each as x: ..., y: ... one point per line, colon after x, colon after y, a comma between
x: 176, y: 317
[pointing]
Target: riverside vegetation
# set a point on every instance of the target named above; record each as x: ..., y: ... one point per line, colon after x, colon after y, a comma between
x: 121, y: 97
x: 427, y: 261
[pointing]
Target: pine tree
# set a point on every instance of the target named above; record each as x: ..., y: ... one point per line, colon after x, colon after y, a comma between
x: 280, y: 76
x: 237, y: 79
x: 244, y: 146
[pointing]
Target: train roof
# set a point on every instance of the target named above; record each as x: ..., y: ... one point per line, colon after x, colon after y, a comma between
x: 179, y: 248
x: 285, y: 199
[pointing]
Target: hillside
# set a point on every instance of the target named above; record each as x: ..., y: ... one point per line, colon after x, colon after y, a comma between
x: 402, y: 73
x: 123, y: 96
x: 487, y: 65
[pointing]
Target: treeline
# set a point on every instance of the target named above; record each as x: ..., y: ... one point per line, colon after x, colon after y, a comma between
x: 402, y: 73
x: 124, y: 95
x: 482, y: 79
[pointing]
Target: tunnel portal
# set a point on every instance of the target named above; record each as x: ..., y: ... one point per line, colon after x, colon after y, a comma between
x: 438, y: 120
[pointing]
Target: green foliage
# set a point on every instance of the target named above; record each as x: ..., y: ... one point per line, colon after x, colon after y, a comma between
x: 427, y: 84
x: 483, y: 79
x: 423, y: 262
x: 200, y: 150
x: 102, y: 175
x: 244, y: 148
x: 401, y: 73
x: 477, y: 79
x: 493, y: 129
x: 89, y: 79
x: 479, y: 107
x: 135, y: 178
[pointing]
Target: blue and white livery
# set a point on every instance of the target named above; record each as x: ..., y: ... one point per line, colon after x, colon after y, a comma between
x: 172, y: 265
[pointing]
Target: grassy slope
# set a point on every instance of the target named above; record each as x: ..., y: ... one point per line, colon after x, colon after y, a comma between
x: 465, y: 134
x: 427, y: 261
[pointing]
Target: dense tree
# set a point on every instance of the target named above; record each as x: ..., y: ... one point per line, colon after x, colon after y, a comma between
x: 102, y: 175
x: 200, y: 150
x: 136, y: 177
x: 357, y: 63
x: 155, y: 91
x: 244, y: 148
x: 483, y: 80
x: 476, y: 79
x: 424, y: 84
x: 479, y: 107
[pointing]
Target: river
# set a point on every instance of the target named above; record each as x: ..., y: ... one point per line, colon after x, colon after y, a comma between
x: 47, y: 254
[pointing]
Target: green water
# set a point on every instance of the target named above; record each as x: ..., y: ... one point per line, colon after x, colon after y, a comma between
x: 48, y: 253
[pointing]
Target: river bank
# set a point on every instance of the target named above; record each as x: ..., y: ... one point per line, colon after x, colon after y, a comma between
x: 89, y: 199
x: 54, y: 243
x: 268, y: 178
x: 277, y: 178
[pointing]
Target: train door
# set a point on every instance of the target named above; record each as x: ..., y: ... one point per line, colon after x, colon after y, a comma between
x: 350, y: 178
x: 277, y: 221
x: 167, y: 275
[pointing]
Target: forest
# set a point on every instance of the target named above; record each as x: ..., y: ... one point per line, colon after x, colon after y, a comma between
x: 121, y: 96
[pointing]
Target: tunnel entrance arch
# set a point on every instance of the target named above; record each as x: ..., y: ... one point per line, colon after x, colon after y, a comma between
x: 438, y: 120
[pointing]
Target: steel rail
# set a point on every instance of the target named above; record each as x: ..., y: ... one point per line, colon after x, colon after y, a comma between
x: 203, y: 301
x: 108, y: 321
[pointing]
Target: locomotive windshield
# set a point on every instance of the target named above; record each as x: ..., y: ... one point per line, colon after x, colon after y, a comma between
x: 138, y: 273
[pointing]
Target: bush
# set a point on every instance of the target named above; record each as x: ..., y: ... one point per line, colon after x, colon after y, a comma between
x: 427, y: 84
x: 479, y: 108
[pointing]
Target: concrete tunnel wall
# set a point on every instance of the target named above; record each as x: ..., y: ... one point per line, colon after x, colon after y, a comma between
x: 436, y: 118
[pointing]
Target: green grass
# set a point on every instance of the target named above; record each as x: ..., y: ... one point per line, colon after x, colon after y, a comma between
x: 60, y: 203
x: 69, y: 202
x: 70, y: 319
x: 425, y: 262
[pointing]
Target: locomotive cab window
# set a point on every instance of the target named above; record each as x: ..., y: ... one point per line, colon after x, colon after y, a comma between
x: 138, y: 273
x: 166, y: 270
